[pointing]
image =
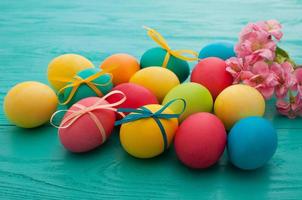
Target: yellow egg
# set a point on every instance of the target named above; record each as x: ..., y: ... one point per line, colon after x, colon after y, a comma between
x: 237, y: 102
x: 143, y: 138
x: 63, y: 68
x: 30, y: 104
x: 158, y: 80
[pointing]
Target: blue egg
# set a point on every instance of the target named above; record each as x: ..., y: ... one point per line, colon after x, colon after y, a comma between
x: 251, y: 143
x: 222, y: 50
x: 103, y: 83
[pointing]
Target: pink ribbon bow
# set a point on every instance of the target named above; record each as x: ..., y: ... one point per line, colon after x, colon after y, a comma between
x: 98, y: 105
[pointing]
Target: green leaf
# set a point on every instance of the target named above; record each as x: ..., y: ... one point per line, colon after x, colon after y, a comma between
x: 282, y: 56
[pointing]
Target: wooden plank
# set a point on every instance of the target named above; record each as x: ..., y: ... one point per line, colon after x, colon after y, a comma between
x: 34, y: 164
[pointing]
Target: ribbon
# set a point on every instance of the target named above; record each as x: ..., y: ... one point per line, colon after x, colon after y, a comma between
x: 160, y: 40
x: 78, y: 81
x: 143, y: 112
x: 98, y: 105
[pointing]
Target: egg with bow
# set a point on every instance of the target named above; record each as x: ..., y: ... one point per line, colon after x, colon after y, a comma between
x: 164, y: 56
x: 155, y: 57
x: 148, y: 131
x: 87, y: 83
x: 86, y: 125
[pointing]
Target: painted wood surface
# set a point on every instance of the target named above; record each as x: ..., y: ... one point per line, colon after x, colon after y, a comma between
x: 33, y: 165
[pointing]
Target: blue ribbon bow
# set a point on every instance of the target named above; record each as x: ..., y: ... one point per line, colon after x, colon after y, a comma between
x: 143, y: 112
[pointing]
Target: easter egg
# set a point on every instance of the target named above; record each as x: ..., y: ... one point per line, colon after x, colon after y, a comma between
x: 63, y: 68
x: 84, y: 134
x: 211, y: 73
x: 30, y: 104
x: 197, y: 97
x: 252, y: 142
x: 102, y: 83
x: 136, y: 96
x: 143, y: 138
x: 237, y: 102
x: 155, y: 57
x: 156, y: 79
x: 124, y: 67
x: 200, y: 140
x: 221, y: 49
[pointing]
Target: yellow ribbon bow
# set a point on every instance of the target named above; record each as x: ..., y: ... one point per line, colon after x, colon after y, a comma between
x: 160, y: 40
x: 76, y: 83
x: 80, y: 110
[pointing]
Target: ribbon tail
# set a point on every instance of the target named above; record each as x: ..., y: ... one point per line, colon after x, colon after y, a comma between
x: 163, y: 132
x: 180, y: 54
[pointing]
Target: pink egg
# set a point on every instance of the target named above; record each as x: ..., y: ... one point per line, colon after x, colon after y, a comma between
x: 83, y: 134
x: 136, y: 96
x: 200, y: 140
x: 211, y: 73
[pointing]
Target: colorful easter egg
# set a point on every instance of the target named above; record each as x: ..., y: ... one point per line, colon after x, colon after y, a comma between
x: 101, y: 85
x: 124, y: 67
x: 221, y: 49
x: 200, y: 140
x: 155, y: 57
x: 252, y: 142
x: 197, y: 97
x: 143, y: 138
x: 30, y: 104
x: 136, y: 96
x: 237, y: 102
x: 211, y: 73
x: 63, y: 68
x: 156, y: 79
x: 88, y: 131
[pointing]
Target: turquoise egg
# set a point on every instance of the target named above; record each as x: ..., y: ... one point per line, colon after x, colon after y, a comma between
x: 84, y: 90
x: 251, y: 143
x: 155, y: 57
x: 222, y: 50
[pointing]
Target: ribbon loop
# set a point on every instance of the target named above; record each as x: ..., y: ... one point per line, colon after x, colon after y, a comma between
x: 181, y: 54
x: 143, y: 112
x: 82, y: 110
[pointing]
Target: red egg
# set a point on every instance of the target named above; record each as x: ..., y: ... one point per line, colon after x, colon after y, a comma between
x: 211, y: 73
x: 136, y: 96
x: 83, y: 134
x: 200, y: 140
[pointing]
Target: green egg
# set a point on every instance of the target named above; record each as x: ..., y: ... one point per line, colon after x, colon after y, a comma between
x: 155, y: 57
x: 84, y: 90
x: 197, y: 97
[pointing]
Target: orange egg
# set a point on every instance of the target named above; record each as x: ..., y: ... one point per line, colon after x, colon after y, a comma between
x: 124, y: 67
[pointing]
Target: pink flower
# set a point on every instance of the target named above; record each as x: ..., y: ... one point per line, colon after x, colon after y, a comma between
x: 298, y: 75
x: 291, y: 108
x: 251, y: 30
x: 286, y: 79
x: 261, y: 78
x: 255, y: 45
x: 273, y: 27
x: 235, y: 67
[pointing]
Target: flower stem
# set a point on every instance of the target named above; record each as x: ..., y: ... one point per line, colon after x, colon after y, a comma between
x: 291, y: 97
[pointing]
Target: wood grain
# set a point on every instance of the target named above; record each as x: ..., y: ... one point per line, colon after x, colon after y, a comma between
x: 33, y: 164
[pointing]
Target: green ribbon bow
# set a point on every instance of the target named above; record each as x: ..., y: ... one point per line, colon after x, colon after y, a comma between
x: 143, y: 112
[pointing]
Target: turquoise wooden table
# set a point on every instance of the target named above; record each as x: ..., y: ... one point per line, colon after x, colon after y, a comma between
x: 33, y: 164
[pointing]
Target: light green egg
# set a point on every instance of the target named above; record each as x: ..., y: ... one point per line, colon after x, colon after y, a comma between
x: 197, y: 97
